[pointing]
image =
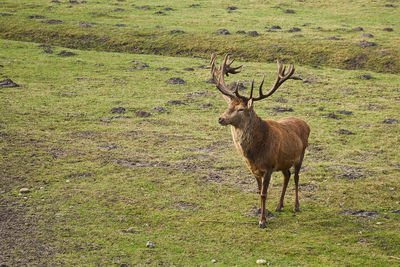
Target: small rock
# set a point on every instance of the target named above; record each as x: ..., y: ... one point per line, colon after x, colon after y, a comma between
x: 275, y: 27
x: 119, y: 110
x: 240, y: 32
x: 387, y: 29
x: 47, y: 51
x: 41, y: 188
x: 214, y: 261
x: 261, y: 261
x: 231, y: 8
x: 379, y: 223
x: 222, y: 32
x: 142, y: 114
x: 149, y: 244
x: 390, y: 5
x: 289, y: 11
x: 3, y: 192
x: 175, y: 81
x: 188, y: 69
x: 67, y: 181
x: 24, y: 190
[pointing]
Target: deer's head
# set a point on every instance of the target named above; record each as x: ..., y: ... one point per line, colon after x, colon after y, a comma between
x: 240, y: 108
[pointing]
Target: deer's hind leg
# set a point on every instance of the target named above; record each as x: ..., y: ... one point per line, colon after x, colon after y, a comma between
x: 286, y: 177
x: 296, y: 182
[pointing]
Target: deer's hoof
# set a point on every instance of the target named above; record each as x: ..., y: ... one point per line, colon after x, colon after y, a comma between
x: 261, y: 224
x: 278, y: 208
x: 296, y: 209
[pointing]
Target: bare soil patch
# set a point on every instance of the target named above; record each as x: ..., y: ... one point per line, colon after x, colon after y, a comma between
x: 8, y: 83
x: 361, y: 213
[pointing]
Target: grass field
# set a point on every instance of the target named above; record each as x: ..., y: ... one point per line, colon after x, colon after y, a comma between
x: 114, y: 156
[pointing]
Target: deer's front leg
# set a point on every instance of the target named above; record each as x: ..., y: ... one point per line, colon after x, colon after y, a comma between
x: 263, y: 197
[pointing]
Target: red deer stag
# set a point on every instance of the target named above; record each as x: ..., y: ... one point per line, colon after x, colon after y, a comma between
x: 265, y: 145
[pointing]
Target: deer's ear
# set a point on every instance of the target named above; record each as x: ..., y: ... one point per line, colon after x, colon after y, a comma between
x: 250, y: 104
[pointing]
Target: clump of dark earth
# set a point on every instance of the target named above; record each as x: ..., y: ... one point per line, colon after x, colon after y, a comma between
x: 282, y: 109
x: 368, y: 35
x: 52, y: 21
x: 358, y: 29
x: 159, y: 109
x: 176, y: 32
x: 390, y: 121
x: 160, y: 13
x: 344, y: 112
x: 159, y: 27
x: 344, y: 132
x: 205, y: 105
x: 241, y: 32
x: 65, y: 53
x: 73, y: 2
x: 365, y: 77
x: 200, y: 93
x: 294, y: 29
x: 252, y: 33
x: 120, y: 25
x: 232, y: 86
x: 85, y: 24
x: 298, y: 36
x: 142, y: 114
x: 275, y: 27
x: 396, y: 211
x: 364, y: 44
x: 231, y: 8
x: 55, y: 1
x: 194, y: 5
x: 255, y: 212
x: 387, y: 29
x: 163, y: 69
x: 331, y: 115
x: 390, y: 5
x: 281, y: 100
x: 118, y: 10
x: 289, y: 11
x: 168, y: 9
x: 119, y: 110
x: 47, y: 51
x: 361, y: 213
x: 8, y: 83
x: 350, y: 173
x: 36, y: 17
x: 175, y: 80
x: 188, y: 69
x: 222, y: 32
x: 333, y: 38
x: 202, y: 67
x: 175, y: 102
x: 142, y: 7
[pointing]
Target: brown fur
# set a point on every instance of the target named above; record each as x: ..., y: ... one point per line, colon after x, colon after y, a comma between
x: 267, y: 145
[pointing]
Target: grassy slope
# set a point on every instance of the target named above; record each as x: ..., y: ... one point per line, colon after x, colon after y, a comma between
x: 187, y: 196
x: 318, y: 21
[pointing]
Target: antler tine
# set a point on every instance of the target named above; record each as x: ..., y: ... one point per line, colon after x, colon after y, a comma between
x: 251, y: 91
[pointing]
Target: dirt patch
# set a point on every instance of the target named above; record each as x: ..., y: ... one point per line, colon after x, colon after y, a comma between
x: 142, y: 114
x: 6, y: 14
x: 256, y: 212
x: 358, y: 29
x: 331, y: 115
x: 21, y: 244
x: 36, y: 17
x: 289, y: 11
x: 119, y: 110
x: 364, y: 44
x: 175, y: 80
x: 294, y: 29
x: 232, y: 85
x: 52, y: 21
x: 188, y: 69
x: 253, y: 33
x: 184, y: 205
x: 162, y: 69
x: 344, y: 132
x: 80, y: 175
x: 159, y: 109
x: 282, y: 109
x: 361, y: 213
x: 387, y: 29
x: 222, y: 32
x: 176, y: 32
x: 349, y: 172
x: 357, y: 62
x: 65, y: 53
x: 175, y: 102
x: 8, y: 83
x: 390, y: 121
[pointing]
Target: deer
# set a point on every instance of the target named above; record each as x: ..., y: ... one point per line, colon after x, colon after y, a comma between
x: 266, y: 146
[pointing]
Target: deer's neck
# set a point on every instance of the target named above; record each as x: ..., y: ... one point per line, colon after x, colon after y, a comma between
x: 246, y: 135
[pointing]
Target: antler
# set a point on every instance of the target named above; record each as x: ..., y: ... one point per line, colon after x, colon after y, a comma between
x: 218, y: 76
x: 282, y: 77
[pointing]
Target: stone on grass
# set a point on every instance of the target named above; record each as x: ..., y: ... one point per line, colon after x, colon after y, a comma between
x: 24, y: 190
x: 119, y: 110
x: 222, y: 32
x: 261, y: 261
x: 175, y: 80
x: 149, y: 244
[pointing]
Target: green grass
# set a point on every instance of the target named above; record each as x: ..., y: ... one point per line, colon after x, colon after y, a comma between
x: 175, y: 177
x: 145, y: 31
